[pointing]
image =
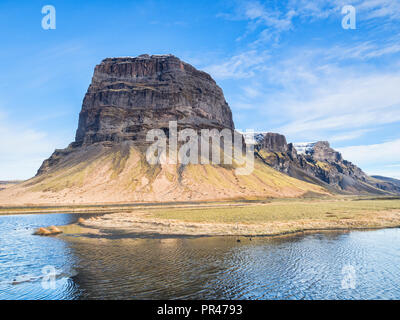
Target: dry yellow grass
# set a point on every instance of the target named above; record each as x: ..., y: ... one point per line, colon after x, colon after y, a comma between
x: 281, y: 211
x: 275, y: 218
x: 121, y: 174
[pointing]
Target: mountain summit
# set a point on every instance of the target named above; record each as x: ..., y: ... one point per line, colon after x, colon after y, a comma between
x: 129, y: 96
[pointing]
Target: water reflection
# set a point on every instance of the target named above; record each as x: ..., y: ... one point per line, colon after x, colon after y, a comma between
x: 308, y: 267
x: 303, y: 267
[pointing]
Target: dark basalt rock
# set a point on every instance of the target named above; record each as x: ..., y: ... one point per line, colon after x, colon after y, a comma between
x: 129, y: 96
x: 274, y: 142
x: 320, y: 164
x: 323, y: 152
x: 391, y: 181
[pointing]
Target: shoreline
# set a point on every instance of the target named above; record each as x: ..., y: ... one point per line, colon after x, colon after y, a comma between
x: 264, y: 218
x: 137, y: 225
x: 122, y: 234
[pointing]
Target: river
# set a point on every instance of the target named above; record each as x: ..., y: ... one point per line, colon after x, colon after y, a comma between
x: 353, y: 265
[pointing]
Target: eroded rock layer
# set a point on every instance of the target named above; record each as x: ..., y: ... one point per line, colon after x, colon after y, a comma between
x: 319, y: 163
x: 129, y: 96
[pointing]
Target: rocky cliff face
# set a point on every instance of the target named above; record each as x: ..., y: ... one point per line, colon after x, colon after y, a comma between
x: 322, y: 151
x: 129, y: 96
x: 274, y: 142
x: 319, y: 163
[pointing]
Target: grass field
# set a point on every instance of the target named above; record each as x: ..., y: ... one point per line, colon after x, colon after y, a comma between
x: 275, y: 217
x: 281, y: 211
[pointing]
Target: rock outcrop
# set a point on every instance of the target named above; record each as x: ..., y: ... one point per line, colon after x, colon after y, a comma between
x: 322, y: 151
x: 50, y: 231
x: 129, y: 96
x: 319, y: 163
x: 274, y: 142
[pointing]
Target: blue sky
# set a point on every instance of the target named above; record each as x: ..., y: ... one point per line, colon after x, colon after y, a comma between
x: 285, y: 66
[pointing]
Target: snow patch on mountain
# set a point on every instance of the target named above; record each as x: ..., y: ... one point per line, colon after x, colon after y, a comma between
x: 304, y: 147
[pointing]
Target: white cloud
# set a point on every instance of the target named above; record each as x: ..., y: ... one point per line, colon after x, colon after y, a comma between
x: 340, y: 99
x: 342, y: 91
x: 23, y: 150
x: 272, y: 18
x: 251, y: 91
x: 379, y: 8
x: 275, y: 18
x: 366, y: 9
x: 393, y: 166
x: 362, y: 50
x: 240, y: 66
x: 383, y: 154
x: 377, y: 159
x: 348, y: 135
x: 313, y: 95
x: 316, y: 96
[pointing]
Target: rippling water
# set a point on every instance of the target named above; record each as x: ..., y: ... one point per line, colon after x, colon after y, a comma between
x: 355, y: 265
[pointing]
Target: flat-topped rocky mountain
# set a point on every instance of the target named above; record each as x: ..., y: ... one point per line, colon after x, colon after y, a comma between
x: 129, y: 96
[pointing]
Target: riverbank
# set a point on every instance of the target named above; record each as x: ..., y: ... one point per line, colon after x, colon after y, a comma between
x: 253, y: 219
x: 121, y: 207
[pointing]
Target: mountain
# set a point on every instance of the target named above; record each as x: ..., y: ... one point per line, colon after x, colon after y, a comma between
x: 393, y: 183
x: 7, y: 184
x: 318, y: 163
x: 107, y: 162
x: 129, y: 96
x: 387, y: 179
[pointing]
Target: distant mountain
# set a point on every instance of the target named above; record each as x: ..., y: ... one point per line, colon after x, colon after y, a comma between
x: 318, y: 163
x: 7, y: 184
x: 387, y: 180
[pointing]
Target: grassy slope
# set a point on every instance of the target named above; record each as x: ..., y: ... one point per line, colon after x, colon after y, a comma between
x: 121, y: 174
